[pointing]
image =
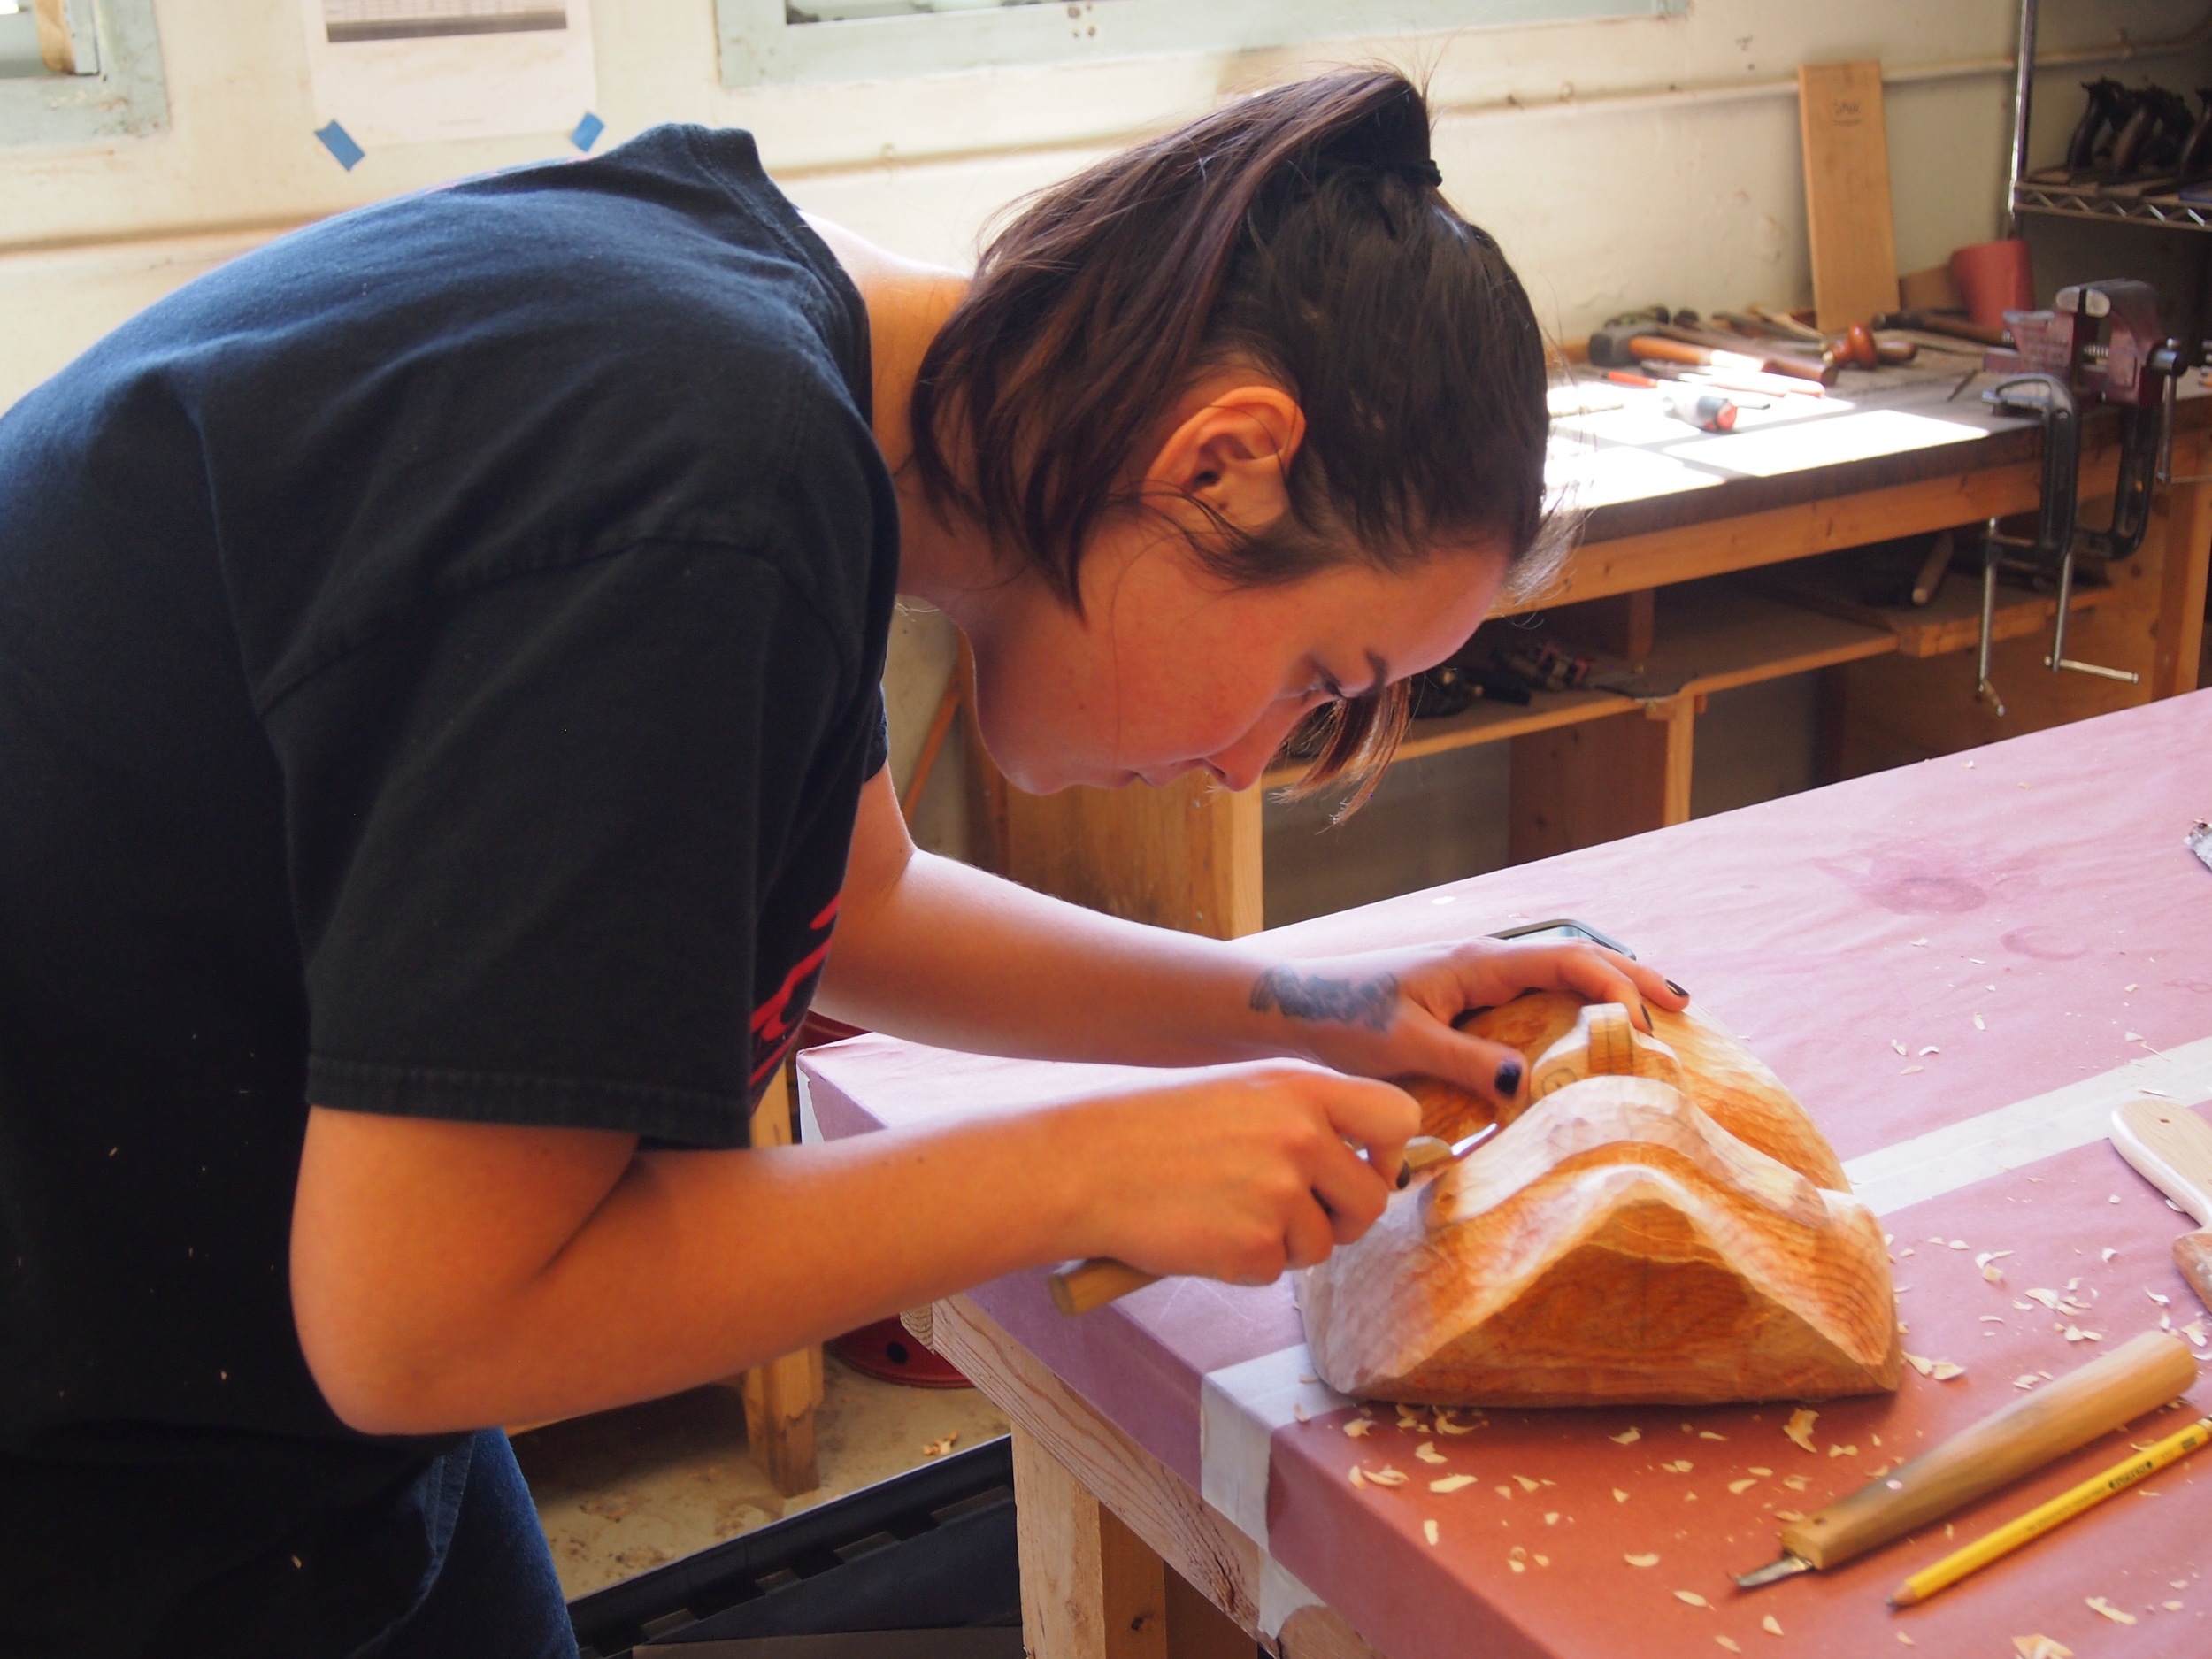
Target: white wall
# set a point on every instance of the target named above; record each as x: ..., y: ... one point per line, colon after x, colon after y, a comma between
x: 1602, y: 201
x: 1618, y: 162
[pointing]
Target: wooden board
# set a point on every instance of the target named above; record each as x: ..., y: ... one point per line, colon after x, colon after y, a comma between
x: 1950, y: 622
x: 1846, y: 192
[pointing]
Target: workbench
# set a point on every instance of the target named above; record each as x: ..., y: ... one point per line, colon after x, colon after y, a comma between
x: 1678, y: 527
x: 1960, y: 967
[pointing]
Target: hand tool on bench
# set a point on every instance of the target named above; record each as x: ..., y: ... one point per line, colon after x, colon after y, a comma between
x: 1080, y: 1286
x: 2138, y: 1377
x: 1707, y: 408
x: 1939, y: 323
x: 1626, y: 345
x: 1995, y: 1545
x: 2171, y: 1147
x: 1797, y: 365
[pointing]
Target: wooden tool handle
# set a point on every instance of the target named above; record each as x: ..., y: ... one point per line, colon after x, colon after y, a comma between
x: 2135, y: 1378
x: 1080, y: 1286
x: 1651, y: 347
x: 2171, y: 1147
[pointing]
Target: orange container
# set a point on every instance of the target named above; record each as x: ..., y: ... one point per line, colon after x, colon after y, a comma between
x: 1995, y: 278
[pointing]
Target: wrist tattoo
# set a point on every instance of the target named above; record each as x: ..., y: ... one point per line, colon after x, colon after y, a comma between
x: 1318, y: 996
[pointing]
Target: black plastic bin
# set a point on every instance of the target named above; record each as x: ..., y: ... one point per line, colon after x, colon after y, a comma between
x: 921, y: 1566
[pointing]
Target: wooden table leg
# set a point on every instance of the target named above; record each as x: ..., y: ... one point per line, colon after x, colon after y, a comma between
x: 781, y: 1396
x: 1091, y: 1588
x: 1080, y: 1466
x: 1577, y: 786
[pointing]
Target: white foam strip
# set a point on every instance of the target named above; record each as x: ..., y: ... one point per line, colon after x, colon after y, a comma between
x: 1240, y: 1407
x: 1281, y: 1596
x: 1959, y: 1155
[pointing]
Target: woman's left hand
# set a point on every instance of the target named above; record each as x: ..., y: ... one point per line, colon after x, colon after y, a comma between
x: 1386, y: 1013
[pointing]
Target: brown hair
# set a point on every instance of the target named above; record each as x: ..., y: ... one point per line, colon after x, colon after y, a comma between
x: 1300, y: 229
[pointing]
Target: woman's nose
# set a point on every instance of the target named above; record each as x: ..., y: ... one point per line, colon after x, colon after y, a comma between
x: 1243, y: 763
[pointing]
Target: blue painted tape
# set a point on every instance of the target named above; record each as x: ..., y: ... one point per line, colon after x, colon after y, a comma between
x: 340, y: 143
x: 588, y: 131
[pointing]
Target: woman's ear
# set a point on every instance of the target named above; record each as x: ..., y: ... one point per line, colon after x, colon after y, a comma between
x: 1232, y: 455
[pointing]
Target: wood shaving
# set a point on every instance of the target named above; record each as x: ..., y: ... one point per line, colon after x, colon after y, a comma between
x: 1771, y: 1624
x: 1358, y: 1479
x: 1429, y: 1530
x: 938, y: 1448
x: 1918, y: 943
x: 2040, y: 1647
x: 1899, y: 1047
x: 1799, y: 1429
x: 1978, y: 1024
x: 1503, y: 1492
x: 1525, y: 1484
x: 1298, y: 1410
x: 1642, y: 1561
x: 1387, y: 1477
x: 1743, y: 1486
x: 2107, y: 1254
x: 1901, y: 1634
x: 1451, y: 1483
x: 2131, y: 1036
x: 1909, y: 1069
x: 1843, y: 1451
x: 2194, y: 1332
x: 1789, y: 1515
x: 1944, y: 1370
x: 1427, y: 1453
x: 2075, y: 1333
x: 2162, y: 1301
x: 1518, y: 1565
x: 1708, y: 1434
x: 2117, y: 1615
x: 1444, y: 1425
x: 1691, y: 1598
x: 1619, y: 1496
x: 1680, y: 1466
x: 1796, y: 1483
x: 1541, y: 1561
x: 1922, y: 1365
x: 1632, y: 1435
x: 2026, y: 1380
x: 1759, y: 1472
x: 1359, y: 1426
x: 2048, y: 1298
x: 1929, y: 1049
x: 2171, y: 1607
x: 1958, y: 1244
x: 2114, y: 1199
x: 2127, y: 987
x: 1728, y: 1642
x: 1551, y: 1518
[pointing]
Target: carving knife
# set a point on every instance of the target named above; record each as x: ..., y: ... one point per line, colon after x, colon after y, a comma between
x: 1080, y: 1286
x: 2138, y: 1377
x: 2171, y: 1147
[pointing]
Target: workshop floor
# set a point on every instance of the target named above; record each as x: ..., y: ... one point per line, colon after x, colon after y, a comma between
x: 628, y: 1490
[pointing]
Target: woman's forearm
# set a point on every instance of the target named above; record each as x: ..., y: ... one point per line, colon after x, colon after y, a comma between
x: 961, y: 959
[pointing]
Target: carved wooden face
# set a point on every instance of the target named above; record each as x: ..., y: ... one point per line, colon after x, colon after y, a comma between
x: 1658, y: 1221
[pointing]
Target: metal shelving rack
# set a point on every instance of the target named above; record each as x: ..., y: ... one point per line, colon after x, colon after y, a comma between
x: 2061, y: 201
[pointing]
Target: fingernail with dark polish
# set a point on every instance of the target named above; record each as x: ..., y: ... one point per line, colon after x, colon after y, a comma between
x: 1678, y: 990
x: 1508, y: 1079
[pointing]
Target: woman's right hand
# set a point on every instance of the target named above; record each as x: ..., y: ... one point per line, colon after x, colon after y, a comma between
x: 1236, y: 1175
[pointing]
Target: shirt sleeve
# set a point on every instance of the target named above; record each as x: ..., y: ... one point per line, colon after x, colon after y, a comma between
x: 531, y: 828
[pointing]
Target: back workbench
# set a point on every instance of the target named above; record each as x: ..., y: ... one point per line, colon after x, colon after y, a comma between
x: 1961, y: 967
x: 1680, y: 530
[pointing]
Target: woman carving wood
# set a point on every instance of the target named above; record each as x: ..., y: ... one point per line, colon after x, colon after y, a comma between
x: 1659, y: 1221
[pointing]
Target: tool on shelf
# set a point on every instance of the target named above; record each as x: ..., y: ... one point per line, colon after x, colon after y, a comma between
x: 2138, y: 1377
x: 1997, y: 1545
x: 2171, y: 1147
x: 1080, y: 1286
x: 2099, y: 342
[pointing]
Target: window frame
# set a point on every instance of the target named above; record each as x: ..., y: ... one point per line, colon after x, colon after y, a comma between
x: 760, y: 48
x: 125, y: 97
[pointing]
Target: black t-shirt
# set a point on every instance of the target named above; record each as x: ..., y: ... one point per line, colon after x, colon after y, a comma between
x: 438, y: 667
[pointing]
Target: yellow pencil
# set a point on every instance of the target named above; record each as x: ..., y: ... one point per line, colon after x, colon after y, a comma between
x: 2041, y: 1519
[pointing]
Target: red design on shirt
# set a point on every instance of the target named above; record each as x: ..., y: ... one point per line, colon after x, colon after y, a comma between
x: 773, y: 1023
